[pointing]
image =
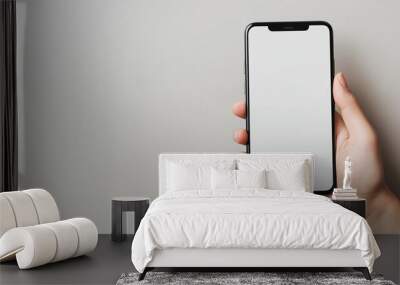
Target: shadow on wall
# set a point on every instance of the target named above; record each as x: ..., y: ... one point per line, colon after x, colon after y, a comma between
x: 21, y: 30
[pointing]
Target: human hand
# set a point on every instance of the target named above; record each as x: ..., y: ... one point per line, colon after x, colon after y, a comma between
x: 355, y: 137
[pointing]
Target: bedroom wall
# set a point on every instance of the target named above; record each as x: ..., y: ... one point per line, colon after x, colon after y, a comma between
x: 107, y: 85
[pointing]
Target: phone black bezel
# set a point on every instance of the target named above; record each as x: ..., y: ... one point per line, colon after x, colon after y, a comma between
x: 294, y: 26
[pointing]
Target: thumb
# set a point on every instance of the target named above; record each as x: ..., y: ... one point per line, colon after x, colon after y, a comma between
x: 352, y: 114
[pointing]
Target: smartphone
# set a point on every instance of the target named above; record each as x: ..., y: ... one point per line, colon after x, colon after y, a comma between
x: 289, y: 69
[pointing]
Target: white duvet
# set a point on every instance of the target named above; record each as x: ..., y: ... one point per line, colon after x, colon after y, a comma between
x: 250, y: 218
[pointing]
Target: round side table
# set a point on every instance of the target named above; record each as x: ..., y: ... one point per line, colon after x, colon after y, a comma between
x: 139, y: 205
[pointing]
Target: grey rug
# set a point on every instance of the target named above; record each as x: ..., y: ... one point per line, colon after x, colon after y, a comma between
x: 228, y: 278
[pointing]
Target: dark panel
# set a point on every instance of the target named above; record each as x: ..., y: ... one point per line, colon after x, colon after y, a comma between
x: 116, y: 221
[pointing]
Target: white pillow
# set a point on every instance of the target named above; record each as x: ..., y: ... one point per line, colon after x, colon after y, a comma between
x: 293, y: 178
x: 251, y: 178
x: 223, y: 179
x: 186, y: 175
x: 281, y: 174
x: 237, y: 179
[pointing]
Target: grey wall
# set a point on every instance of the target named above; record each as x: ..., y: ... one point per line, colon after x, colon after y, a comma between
x: 107, y: 85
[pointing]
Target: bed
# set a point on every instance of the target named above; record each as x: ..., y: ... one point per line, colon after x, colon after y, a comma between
x: 247, y: 211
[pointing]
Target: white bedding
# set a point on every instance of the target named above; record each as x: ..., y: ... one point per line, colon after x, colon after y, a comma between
x: 250, y: 218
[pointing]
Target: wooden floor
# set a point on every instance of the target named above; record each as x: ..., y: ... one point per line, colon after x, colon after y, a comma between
x: 111, y: 259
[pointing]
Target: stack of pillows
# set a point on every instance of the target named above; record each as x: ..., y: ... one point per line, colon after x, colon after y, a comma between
x: 238, y: 174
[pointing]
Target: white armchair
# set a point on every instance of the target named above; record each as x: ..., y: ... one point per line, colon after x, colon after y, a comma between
x: 32, y: 233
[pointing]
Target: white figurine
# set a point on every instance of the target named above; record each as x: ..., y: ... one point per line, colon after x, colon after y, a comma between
x: 346, y: 192
x: 347, y: 174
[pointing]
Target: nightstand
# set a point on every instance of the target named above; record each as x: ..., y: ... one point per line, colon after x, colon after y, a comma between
x: 139, y: 205
x: 358, y: 205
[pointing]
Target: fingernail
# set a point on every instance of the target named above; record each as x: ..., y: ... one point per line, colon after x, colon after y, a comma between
x: 342, y: 81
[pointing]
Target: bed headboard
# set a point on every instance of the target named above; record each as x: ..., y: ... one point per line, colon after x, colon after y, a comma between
x: 164, y: 158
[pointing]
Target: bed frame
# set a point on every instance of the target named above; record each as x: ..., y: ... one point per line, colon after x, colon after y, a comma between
x: 233, y: 259
x: 249, y: 259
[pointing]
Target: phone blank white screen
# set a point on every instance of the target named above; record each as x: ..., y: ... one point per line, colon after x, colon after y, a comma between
x: 290, y: 95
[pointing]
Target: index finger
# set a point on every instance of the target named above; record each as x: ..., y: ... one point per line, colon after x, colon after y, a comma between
x: 239, y: 109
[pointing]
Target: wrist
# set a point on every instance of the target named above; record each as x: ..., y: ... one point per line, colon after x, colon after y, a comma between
x: 379, y: 196
x: 383, y: 210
